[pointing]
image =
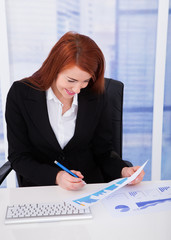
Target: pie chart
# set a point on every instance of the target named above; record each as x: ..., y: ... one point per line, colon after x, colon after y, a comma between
x: 122, y: 208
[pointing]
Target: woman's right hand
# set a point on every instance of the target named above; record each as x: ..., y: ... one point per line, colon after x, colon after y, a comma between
x: 68, y: 182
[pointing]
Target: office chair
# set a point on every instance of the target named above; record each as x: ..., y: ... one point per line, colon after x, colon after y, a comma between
x: 115, y: 93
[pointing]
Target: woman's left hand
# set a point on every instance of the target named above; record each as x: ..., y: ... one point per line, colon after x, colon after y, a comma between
x: 128, y: 171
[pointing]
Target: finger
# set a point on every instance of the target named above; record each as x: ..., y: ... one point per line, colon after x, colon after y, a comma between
x: 68, y: 177
x: 138, y: 179
x: 135, y: 168
x: 79, y: 174
x: 75, y: 186
x: 72, y: 179
x: 70, y: 185
x: 140, y: 176
x: 127, y: 171
x: 130, y: 171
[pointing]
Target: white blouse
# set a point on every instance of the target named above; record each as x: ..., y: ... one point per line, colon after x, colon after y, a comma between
x: 62, y: 125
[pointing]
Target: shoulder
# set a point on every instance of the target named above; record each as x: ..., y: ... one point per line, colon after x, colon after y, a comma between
x: 22, y: 85
x: 19, y: 86
x: 21, y: 89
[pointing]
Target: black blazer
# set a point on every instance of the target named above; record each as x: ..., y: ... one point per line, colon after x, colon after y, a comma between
x: 33, y: 146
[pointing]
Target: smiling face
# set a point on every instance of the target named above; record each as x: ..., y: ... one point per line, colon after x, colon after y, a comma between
x: 69, y: 82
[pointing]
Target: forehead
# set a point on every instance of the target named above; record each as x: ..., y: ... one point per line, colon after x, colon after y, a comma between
x: 76, y: 73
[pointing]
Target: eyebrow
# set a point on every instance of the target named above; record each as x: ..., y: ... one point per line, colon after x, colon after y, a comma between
x: 77, y: 80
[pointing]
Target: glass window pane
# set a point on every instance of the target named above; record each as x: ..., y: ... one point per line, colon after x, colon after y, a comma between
x: 136, y: 25
x: 31, y: 34
x: 166, y: 150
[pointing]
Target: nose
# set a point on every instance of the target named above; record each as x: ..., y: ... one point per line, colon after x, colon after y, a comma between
x: 77, y: 88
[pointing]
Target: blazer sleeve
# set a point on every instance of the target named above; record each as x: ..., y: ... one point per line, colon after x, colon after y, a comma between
x: 107, y: 159
x: 20, y: 149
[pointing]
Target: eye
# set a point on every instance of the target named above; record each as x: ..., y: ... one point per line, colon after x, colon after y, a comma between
x: 71, y: 81
x: 87, y: 81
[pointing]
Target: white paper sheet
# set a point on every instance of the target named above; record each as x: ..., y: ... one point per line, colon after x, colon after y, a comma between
x: 92, y: 198
x: 139, y: 199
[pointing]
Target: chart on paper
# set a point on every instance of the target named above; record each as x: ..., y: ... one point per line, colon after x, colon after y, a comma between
x: 95, y: 197
x: 139, y: 199
x: 92, y: 198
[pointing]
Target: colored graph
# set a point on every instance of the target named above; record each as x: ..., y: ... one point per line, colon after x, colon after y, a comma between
x: 122, y: 208
x: 133, y: 194
x: 146, y: 204
x: 92, y: 198
x: 163, y: 189
x: 143, y: 198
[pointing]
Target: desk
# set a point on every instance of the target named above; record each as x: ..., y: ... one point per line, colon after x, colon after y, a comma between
x: 154, y: 226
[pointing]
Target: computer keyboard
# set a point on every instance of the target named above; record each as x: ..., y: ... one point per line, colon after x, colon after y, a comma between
x: 44, y: 212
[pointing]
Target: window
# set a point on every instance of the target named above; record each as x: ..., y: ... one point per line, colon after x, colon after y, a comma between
x: 166, y: 150
x: 134, y: 62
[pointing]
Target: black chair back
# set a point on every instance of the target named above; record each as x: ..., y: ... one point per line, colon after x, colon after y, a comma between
x: 114, y: 89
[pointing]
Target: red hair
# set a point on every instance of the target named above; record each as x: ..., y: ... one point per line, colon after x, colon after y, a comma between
x: 72, y: 49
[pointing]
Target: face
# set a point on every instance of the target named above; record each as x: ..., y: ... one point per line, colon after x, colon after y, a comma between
x: 69, y: 82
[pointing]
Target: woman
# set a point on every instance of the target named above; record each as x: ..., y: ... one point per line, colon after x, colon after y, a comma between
x: 59, y: 113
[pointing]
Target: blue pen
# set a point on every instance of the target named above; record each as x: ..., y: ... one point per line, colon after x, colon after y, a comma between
x: 65, y: 169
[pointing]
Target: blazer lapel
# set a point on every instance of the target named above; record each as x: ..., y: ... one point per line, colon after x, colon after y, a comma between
x: 37, y: 109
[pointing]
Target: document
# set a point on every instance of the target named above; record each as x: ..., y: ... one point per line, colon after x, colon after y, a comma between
x: 141, y: 198
x: 111, y: 187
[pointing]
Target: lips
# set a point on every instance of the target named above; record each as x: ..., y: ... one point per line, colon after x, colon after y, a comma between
x: 69, y: 92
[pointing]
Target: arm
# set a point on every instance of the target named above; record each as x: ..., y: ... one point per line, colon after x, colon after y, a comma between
x: 25, y: 159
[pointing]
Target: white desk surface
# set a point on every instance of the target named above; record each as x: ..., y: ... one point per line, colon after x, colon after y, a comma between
x: 153, y: 226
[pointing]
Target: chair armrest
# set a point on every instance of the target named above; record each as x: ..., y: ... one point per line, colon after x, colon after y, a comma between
x: 5, y: 170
